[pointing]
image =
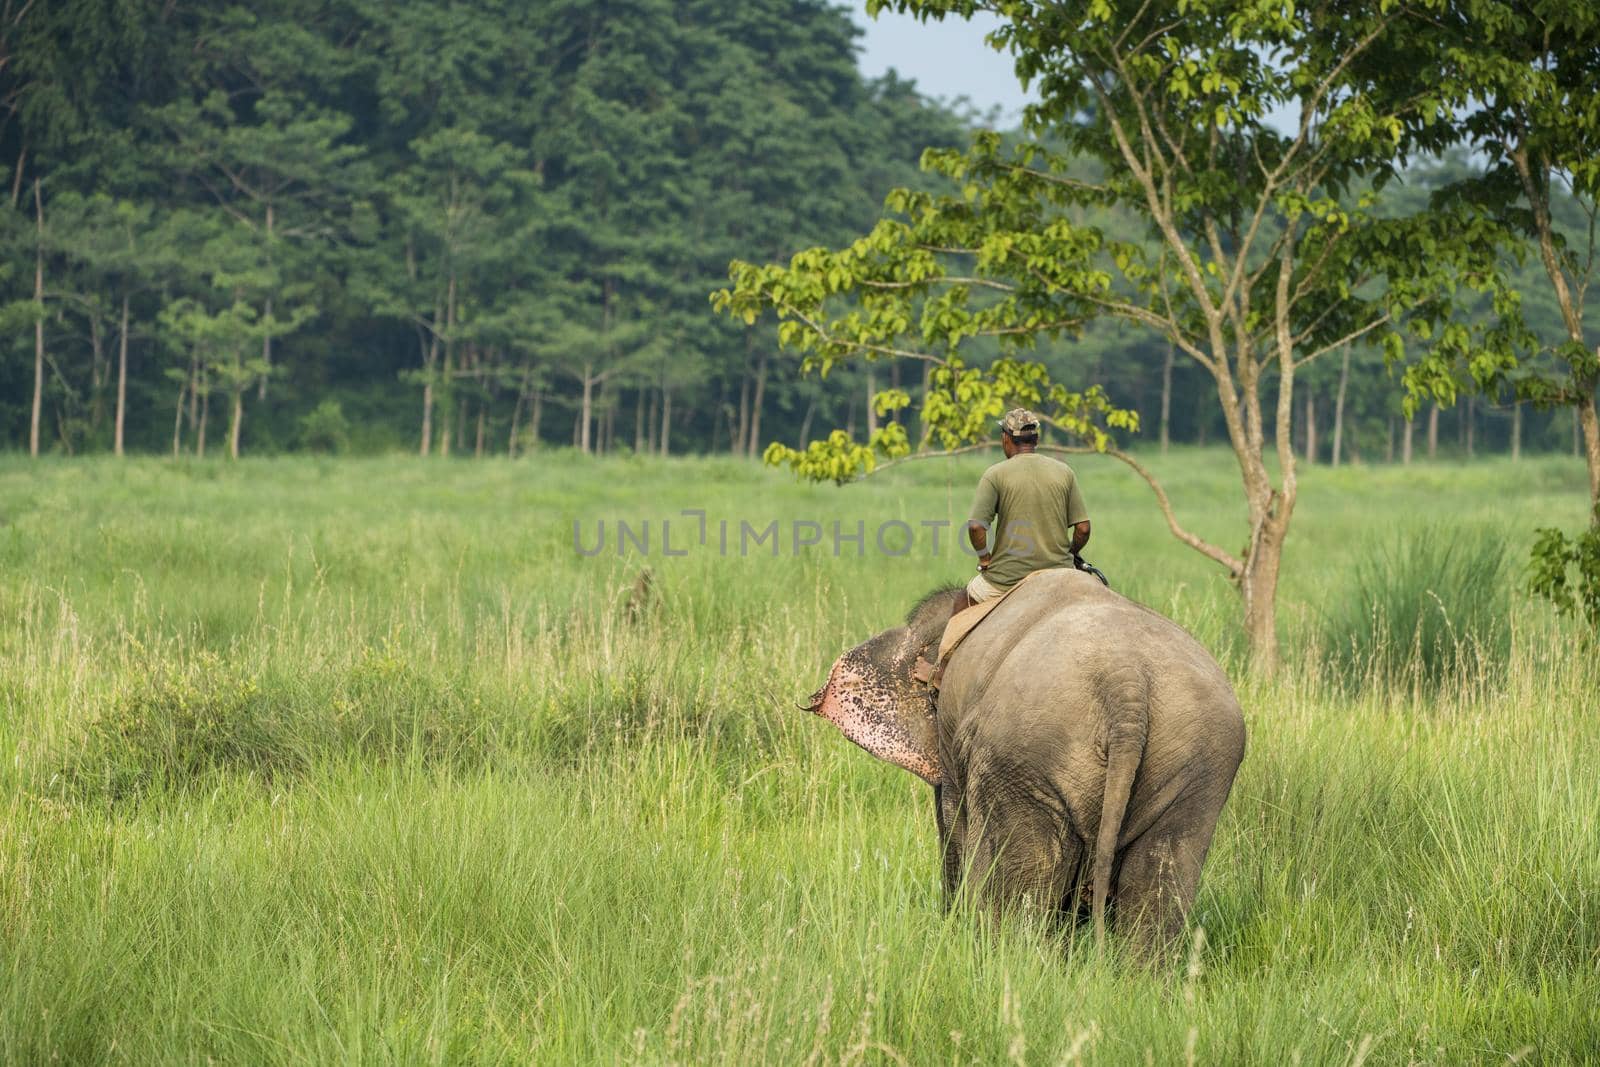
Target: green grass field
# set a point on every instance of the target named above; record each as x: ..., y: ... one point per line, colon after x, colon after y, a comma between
x: 360, y: 760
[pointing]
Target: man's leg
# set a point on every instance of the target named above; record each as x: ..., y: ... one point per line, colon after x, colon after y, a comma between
x: 981, y: 589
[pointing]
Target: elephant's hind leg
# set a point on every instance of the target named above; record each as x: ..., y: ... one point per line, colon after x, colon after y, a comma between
x: 1020, y: 857
x: 1159, y: 874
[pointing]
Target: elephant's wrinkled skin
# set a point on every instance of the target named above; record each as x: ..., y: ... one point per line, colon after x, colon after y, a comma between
x: 1078, y: 742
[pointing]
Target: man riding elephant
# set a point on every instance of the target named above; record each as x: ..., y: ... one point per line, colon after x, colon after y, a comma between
x: 1033, y: 507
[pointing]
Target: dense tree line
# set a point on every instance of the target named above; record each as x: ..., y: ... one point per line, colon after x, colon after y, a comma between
x: 478, y: 227
x: 434, y: 225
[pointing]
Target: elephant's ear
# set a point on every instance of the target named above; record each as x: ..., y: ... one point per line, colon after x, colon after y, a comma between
x: 883, y: 715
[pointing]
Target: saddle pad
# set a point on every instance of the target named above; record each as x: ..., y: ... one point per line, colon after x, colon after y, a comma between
x: 965, y: 621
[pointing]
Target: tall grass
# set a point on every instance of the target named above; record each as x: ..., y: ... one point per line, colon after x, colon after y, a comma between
x: 1430, y: 605
x: 294, y: 771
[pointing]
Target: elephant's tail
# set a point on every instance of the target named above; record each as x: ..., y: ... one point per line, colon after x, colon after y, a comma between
x: 1128, y: 725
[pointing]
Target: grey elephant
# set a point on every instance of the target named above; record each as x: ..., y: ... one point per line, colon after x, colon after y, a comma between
x: 1078, y: 744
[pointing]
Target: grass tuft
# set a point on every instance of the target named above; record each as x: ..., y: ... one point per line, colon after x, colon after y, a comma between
x: 1431, y: 606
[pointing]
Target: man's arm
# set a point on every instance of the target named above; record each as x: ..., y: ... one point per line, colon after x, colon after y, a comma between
x: 984, y: 507
x: 979, y: 536
x: 1080, y: 536
x: 1078, y: 515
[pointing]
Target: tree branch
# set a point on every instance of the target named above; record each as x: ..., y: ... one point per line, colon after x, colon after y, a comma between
x: 1233, y: 565
x: 1346, y: 339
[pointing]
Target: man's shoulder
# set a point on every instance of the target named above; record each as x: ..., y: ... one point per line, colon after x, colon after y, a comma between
x: 1032, y: 465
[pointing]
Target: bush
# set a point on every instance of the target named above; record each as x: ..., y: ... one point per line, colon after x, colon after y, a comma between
x: 1422, y: 611
x: 177, y: 723
x: 1554, y: 556
x: 181, y: 723
x: 325, y: 429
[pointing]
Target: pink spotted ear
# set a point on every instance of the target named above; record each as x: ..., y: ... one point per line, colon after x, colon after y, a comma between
x: 868, y: 711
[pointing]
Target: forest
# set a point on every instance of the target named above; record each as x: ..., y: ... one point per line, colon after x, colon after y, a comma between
x: 435, y: 226
x: 489, y: 227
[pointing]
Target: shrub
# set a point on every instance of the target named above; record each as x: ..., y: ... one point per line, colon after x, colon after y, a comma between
x: 1554, y: 556
x: 1423, y: 610
x: 325, y: 428
x: 176, y: 723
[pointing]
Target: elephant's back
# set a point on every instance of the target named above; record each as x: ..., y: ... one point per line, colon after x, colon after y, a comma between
x: 1055, y: 642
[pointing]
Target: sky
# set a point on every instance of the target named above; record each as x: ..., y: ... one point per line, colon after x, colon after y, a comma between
x: 946, y: 59
x: 950, y: 59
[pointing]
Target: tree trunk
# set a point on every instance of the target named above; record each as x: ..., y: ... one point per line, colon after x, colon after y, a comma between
x: 266, y: 341
x: 122, y: 378
x: 1406, y: 441
x: 1311, y: 428
x: 97, y: 373
x: 638, y: 423
x: 754, y: 448
x: 516, y: 414
x: 38, y: 323
x: 586, y: 409
x: 1338, y: 408
x: 200, y: 432
x: 1433, y: 431
x: 1388, y: 448
x: 924, y: 431
x: 1516, y: 431
x: 177, y: 421
x: 449, y: 365
x: 735, y: 430
x: 872, y: 409
x: 666, y: 421
x: 235, y: 422
x: 738, y: 438
x: 1259, y: 588
x: 805, y: 421
x: 1166, y: 399
x: 652, y: 429
x: 1590, y: 421
x: 1470, y: 415
x: 477, y: 448
x: 430, y: 358
x: 16, y: 180
x: 194, y: 390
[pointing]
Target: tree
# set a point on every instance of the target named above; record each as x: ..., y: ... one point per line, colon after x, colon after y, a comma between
x: 1521, y: 77
x: 451, y: 210
x: 220, y: 326
x: 1265, y: 249
x: 112, y: 251
x: 630, y: 149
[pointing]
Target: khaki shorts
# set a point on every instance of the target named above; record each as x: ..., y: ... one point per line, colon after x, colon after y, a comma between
x: 981, y: 589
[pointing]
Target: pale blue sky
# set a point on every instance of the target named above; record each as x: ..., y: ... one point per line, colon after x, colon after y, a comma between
x: 946, y: 59
x: 950, y: 59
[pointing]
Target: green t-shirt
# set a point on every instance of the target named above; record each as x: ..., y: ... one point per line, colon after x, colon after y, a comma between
x: 1035, y: 502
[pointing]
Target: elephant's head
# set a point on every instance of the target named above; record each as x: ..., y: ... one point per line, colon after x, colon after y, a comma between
x: 874, y: 696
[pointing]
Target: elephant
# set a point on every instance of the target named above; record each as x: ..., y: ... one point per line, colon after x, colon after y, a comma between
x: 1078, y: 744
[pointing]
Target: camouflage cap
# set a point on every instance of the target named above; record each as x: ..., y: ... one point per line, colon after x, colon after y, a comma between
x: 1020, y: 421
